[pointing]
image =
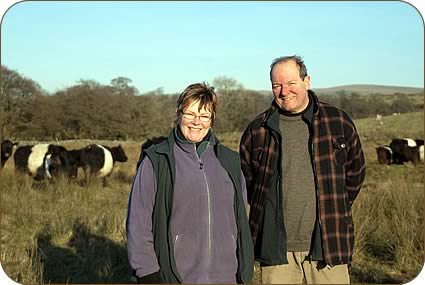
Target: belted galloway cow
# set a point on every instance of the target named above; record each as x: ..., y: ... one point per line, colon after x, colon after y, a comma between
x: 45, y: 161
x: 406, y: 150
x: 98, y: 160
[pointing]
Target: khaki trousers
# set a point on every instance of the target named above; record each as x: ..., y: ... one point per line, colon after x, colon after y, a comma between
x: 302, y: 271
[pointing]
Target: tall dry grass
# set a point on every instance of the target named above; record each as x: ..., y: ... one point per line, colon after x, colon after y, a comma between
x: 66, y: 232
x: 388, y: 216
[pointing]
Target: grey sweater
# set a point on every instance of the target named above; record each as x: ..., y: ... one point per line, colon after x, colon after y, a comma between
x: 298, y: 187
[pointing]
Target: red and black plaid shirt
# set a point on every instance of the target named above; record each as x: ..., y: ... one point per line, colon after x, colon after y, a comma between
x: 339, y: 168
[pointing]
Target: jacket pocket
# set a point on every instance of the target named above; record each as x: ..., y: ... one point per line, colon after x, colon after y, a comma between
x: 224, y: 256
x: 185, y: 248
x: 175, y: 242
x: 339, y: 149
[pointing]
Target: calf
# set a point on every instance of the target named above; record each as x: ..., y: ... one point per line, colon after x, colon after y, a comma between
x: 405, y: 150
x: 98, y: 160
x: 384, y: 154
x: 7, y: 147
x: 45, y: 161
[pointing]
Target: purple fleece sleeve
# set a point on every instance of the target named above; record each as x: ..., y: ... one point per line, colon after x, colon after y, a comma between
x: 141, y: 254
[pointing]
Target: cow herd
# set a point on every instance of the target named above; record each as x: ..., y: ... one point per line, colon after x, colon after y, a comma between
x: 45, y: 161
x: 401, y: 150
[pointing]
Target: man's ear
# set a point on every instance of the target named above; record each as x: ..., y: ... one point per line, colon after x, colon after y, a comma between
x: 307, y: 82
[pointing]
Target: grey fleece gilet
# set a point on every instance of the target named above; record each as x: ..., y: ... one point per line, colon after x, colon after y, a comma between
x: 202, y: 224
x: 298, y: 187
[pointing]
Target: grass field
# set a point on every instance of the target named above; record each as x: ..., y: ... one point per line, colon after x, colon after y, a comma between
x: 64, y: 232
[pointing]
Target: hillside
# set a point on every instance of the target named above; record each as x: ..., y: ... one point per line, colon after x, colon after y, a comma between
x: 365, y: 89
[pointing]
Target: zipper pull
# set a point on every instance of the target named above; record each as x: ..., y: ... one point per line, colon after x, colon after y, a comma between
x: 201, y: 165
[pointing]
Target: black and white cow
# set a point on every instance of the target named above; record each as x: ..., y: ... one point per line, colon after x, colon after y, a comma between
x: 45, y: 161
x: 6, y: 150
x: 405, y: 150
x: 385, y: 154
x: 98, y: 160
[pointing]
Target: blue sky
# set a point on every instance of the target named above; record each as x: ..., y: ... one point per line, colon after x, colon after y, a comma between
x: 170, y: 45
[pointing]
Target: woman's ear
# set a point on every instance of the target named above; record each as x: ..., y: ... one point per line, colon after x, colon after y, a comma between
x: 177, y: 119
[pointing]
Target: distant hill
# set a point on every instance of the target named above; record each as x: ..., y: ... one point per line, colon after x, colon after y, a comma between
x: 364, y: 89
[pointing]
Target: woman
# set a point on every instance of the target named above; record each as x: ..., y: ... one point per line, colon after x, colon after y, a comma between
x: 186, y: 219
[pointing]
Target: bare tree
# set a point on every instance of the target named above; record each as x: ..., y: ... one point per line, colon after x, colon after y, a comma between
x: 226, y: 85
x: 122, y: 86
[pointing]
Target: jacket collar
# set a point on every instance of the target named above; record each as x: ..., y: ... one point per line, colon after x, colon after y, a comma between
x: 272, y: 118
x: 315, y: 109
x: 167, y: 147
x: 189, y: 147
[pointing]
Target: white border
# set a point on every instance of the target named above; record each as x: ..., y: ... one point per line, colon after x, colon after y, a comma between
x: 6, y: 4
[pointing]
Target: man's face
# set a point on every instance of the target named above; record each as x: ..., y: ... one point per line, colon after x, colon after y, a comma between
x: 289, y: 90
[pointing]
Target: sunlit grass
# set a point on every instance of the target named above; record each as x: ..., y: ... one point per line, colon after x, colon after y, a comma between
x: 66, y: 232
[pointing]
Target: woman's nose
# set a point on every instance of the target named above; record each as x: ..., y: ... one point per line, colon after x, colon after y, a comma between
x: 197, y: 120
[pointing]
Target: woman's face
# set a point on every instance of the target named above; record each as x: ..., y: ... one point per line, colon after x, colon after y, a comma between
x: 195, y: 124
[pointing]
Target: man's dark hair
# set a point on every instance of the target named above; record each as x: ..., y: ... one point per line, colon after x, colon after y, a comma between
x: 298, y: 60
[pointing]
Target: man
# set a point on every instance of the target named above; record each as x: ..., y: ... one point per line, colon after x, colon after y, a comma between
x: 304, y: 167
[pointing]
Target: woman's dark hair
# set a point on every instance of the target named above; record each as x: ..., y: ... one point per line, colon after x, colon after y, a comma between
x: 197, y: 92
